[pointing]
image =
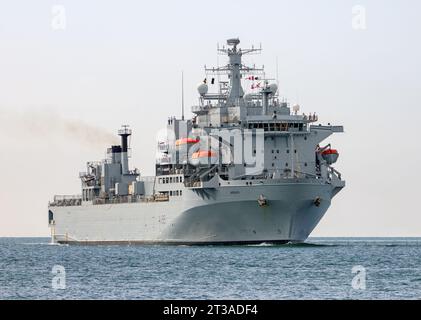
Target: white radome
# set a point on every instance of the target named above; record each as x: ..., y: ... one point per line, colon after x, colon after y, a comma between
x: 273, y: 88
x: 296, y: 108
x: 202, y: 89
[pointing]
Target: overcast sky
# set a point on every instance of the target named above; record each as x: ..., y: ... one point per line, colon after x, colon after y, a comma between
x: 109, y: 63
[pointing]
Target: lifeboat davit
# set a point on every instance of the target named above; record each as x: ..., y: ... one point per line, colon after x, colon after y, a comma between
x: 330, y: 156
x: 204, y: 158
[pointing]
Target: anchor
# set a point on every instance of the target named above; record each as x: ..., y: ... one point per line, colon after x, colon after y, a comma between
x: 317, y: 201
x: 262, y: 201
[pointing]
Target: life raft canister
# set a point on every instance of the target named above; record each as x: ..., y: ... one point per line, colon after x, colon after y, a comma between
x: 330, y: 155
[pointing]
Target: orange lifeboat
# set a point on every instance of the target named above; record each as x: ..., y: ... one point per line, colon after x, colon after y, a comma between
x: 330, y: 155
x: 186, y: 141
x: 204, y: 157
x: 203, y: 154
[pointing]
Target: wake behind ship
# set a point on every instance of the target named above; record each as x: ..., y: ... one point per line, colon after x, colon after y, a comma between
x: 245, y: 169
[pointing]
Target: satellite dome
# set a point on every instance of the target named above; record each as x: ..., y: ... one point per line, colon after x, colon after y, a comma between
x: 296, y: 107
x: 202, y: 89
x: 273, y: 88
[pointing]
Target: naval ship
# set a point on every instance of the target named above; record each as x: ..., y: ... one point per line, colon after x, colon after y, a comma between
x: 247, y: 168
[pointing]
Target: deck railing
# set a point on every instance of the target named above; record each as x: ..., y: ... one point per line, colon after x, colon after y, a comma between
x: 66, y: 200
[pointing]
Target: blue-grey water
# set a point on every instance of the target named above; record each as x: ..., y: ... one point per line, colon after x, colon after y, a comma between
x: 384, y: 268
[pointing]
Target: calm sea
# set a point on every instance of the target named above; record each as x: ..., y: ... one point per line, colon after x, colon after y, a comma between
x: 323, y: 268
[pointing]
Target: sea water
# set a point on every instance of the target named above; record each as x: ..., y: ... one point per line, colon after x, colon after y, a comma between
x: 321, y: 268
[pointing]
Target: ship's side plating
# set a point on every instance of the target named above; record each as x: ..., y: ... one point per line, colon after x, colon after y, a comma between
x: 230, y: 214
x: 244, y: 169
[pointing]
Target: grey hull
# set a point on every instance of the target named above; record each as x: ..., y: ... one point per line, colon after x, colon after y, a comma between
x: 175, y: 243
x: 228, y: 215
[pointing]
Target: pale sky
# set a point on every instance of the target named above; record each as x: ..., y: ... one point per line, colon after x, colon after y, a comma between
x: 119, y: 62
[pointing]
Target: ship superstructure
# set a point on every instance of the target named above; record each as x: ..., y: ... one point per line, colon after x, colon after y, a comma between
x: 244, y: 169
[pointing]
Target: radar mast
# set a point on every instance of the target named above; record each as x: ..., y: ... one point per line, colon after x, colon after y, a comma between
x: 234, y: 69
